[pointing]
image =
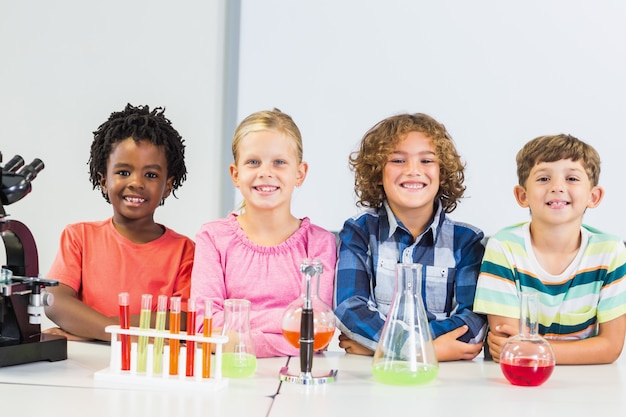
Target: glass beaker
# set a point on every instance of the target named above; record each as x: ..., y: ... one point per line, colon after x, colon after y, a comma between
x: 238, y: 357
x: 323, y: 315
x: 405, y: 354
x: 527, y: 359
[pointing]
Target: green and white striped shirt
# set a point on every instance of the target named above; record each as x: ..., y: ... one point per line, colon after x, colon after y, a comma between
x: 591, y: 290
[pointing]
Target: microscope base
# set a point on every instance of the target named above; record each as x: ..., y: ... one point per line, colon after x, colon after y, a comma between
x: 50, y: 348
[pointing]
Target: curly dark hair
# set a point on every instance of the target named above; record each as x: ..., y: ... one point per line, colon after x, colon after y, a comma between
x: 379, y: 142
x: 139, y: 123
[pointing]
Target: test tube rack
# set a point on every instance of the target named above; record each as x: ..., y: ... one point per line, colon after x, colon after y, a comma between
x: 115, y: 374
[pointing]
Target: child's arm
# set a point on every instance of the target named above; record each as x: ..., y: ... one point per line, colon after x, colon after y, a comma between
x: 357, y: 316
x: 76, y: 318
x: 500, y: 329
x: 606, y: 347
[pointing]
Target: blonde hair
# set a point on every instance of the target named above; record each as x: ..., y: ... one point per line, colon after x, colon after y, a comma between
x: 554, y: 148
x: 379, y: 142
x: 268, y: 120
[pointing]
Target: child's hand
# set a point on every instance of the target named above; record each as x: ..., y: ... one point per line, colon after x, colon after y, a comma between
x: 448, y: 348
x: 350, y: 346
x: 497, y: 337
x: 60, y: 332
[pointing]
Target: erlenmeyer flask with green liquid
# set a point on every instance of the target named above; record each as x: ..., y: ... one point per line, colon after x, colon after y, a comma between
x: 405, y: 354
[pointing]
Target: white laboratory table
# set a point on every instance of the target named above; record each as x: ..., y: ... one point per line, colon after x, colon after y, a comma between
x: 476, y: 388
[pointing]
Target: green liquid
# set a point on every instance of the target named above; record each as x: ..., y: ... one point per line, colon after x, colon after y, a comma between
x: 157, y: 358
x: 142, y: 342
x: 238, y: 365
x: 399, y: 373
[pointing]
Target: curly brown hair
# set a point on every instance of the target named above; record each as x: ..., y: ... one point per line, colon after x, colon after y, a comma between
x: 379, y: 142
x: 553, y: 148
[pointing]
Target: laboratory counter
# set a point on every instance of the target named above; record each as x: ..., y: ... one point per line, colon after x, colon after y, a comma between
x: 468, y: 388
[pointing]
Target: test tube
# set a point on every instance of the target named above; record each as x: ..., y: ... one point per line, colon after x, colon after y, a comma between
x: 174, y: 329
x: 206, y: 332
x: 161, y: 313
x: 124, y: 300
x: 144, y: 324
x: 191, y: 330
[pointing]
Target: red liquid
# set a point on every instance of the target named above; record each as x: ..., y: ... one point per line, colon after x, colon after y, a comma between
x: 125, y: 339
x: 321, y: 337
x: 206, y: 348
x: 191, y: 346
x: 174, y: 343
x: 527, y: 371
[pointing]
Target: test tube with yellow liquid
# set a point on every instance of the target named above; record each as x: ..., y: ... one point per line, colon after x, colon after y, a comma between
x: 161, y: 316
x: 144, y: 324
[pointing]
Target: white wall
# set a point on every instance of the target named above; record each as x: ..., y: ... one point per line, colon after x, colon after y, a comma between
x: 66, y: 65
x: 496, y: 73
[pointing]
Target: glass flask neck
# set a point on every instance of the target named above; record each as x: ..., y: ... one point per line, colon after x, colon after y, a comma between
x: 311, y: 271
x: 529, y: 314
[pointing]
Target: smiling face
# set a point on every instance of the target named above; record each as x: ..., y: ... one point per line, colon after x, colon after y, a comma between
x: 267, y: 170
x: 136, y: 180
x: 411, y: 176
x: 558, y: 192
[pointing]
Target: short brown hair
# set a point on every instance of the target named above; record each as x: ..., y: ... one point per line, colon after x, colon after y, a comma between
x: 553, y: 148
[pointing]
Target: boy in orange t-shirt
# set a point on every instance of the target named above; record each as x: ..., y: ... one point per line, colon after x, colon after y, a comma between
x: 137, y: 160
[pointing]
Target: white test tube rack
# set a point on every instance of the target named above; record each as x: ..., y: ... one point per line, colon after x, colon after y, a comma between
x: 115, y: 374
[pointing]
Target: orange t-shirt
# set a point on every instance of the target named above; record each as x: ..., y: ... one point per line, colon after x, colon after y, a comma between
x: 99, y: 263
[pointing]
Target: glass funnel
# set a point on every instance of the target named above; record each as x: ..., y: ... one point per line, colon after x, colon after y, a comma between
x: 527, y: 359
x: 405, y: 354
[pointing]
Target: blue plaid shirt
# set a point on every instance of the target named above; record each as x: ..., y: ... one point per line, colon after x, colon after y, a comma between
x: 374, y: 241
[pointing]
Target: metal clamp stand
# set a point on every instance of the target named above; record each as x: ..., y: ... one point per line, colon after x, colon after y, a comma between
x: 306, y: 341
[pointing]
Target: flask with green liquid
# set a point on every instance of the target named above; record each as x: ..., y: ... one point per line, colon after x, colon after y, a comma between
x: 405, y: 354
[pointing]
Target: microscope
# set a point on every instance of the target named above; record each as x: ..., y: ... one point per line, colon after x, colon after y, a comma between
x: 22, y: 290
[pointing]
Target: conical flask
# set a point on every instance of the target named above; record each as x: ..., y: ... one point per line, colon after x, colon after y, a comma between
x: 527, y: 359
x: 238, y: 358
x: 405, y: 354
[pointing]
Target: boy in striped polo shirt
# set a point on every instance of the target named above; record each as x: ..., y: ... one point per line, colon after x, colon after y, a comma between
x: 579, y: 271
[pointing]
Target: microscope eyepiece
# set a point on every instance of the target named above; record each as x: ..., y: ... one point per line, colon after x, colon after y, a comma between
x: 16, y: 179
x: 14, y: 164
x: 31, y: 170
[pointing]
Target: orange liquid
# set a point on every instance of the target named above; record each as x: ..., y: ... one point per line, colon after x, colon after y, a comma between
x: 174, y: 343
x: 125, y: 339
x: 206, y: 348
x: 321, y: 337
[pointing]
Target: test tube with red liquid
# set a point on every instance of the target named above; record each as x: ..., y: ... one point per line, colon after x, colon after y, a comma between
x: 124, y: 301
x: 191, y: 330
x: 206, y: 332
x: 174, y: 329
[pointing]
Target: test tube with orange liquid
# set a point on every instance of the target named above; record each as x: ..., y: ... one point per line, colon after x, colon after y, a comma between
x: 174, y: 329
x: 206, y: 332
